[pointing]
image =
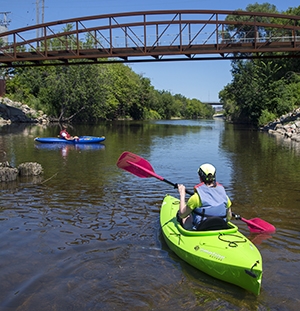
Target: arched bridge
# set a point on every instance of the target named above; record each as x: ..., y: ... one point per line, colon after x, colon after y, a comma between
x: 152, y: 36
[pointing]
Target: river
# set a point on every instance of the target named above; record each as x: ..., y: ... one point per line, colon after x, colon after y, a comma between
x: 86, y: 235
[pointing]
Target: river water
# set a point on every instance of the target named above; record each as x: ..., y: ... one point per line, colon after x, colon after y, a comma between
x: 86, y: 235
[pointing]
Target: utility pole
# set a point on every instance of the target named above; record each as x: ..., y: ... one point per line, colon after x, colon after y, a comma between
x: 43, y: 11
x: 43, y: 14
x: 4, y: 22
x: 37, y: 17
x: 39, y: 31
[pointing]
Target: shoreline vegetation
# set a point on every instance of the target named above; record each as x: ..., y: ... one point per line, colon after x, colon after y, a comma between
x: 17, y: 112
x: 287, y: 125
x: 102, y: 92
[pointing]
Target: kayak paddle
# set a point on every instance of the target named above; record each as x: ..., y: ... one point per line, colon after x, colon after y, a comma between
x: 140, y: 167
x: 256, y: 225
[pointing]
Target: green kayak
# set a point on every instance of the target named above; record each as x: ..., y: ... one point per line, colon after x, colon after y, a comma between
x: 224, y: 254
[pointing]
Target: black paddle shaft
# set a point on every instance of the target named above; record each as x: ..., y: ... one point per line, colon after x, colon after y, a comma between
x: 176, y: 186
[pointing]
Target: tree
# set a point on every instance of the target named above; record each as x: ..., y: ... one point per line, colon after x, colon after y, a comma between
x: 243, y: 30
x: 258, y: 90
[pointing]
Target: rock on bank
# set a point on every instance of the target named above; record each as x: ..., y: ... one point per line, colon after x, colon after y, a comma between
x: 15, y: 112
x: 287, y: 125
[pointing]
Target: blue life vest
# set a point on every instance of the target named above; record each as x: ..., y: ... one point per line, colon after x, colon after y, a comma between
x: 214, y: 203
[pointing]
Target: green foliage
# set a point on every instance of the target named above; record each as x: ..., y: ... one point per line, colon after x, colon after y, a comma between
x: 197, y: 110
x: 261, y: 90
x: 266, y: 117
x: 248, y: 31
x: 152, y: 115
x: 257, y: 87
x: 89, y: 93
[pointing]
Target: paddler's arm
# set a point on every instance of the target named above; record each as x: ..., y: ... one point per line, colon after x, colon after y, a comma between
x: 184, y: 210
x: 229, y: 213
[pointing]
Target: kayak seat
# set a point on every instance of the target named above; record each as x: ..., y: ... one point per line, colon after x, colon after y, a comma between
x: 212, y: 223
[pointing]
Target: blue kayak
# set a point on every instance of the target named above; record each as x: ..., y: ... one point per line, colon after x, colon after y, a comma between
x: 80, y: 140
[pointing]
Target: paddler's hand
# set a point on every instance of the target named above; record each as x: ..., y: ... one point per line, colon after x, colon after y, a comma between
x: 181, y: 190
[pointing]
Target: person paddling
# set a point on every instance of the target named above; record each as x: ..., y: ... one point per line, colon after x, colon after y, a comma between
x: 64, y: 134
x: 209, y: 207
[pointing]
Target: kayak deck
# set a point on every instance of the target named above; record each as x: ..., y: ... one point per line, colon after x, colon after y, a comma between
x: 80, y: 140
x: 224, y: 254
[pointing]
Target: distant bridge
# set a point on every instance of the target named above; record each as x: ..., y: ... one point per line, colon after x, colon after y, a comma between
x: 152, y: 36
x: 213, y: 103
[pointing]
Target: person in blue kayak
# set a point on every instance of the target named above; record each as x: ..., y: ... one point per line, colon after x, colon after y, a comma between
x: 209, y: 207
x: 64, y: 134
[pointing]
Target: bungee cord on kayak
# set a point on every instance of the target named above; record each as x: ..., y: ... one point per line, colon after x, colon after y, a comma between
x: 232, y: 243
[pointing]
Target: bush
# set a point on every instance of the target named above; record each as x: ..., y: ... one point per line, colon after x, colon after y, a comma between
x: 152, y: 115
x: 266, y: 117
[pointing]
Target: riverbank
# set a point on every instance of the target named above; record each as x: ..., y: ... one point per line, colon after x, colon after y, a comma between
x: 287, y: 126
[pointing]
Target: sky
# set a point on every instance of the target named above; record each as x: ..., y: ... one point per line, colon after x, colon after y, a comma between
x: 202, y: 80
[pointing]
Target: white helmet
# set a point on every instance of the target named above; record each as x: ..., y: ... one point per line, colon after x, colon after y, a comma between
x: 207, y: 173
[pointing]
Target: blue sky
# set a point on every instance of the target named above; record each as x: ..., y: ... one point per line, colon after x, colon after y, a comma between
x: 195, y: 79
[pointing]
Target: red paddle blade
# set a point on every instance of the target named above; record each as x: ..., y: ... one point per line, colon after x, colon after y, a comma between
x: 136, y: 165
x: 257, y: 225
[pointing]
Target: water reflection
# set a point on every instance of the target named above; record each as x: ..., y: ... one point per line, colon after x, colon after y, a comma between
x: 66, y: 148
x: 88, y: 238
x: 259, y: 238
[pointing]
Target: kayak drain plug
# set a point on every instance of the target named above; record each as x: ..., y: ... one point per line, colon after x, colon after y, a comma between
x: 250, y: 272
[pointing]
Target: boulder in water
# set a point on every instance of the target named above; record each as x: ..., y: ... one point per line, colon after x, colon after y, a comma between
x: 30, y: 169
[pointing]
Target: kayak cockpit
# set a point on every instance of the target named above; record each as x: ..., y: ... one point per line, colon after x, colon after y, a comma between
x: 231, y: 229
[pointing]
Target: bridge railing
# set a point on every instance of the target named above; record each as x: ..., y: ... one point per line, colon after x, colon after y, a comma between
x: 262, y: 39
x: 150, y: 33
x: 119, y: 42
